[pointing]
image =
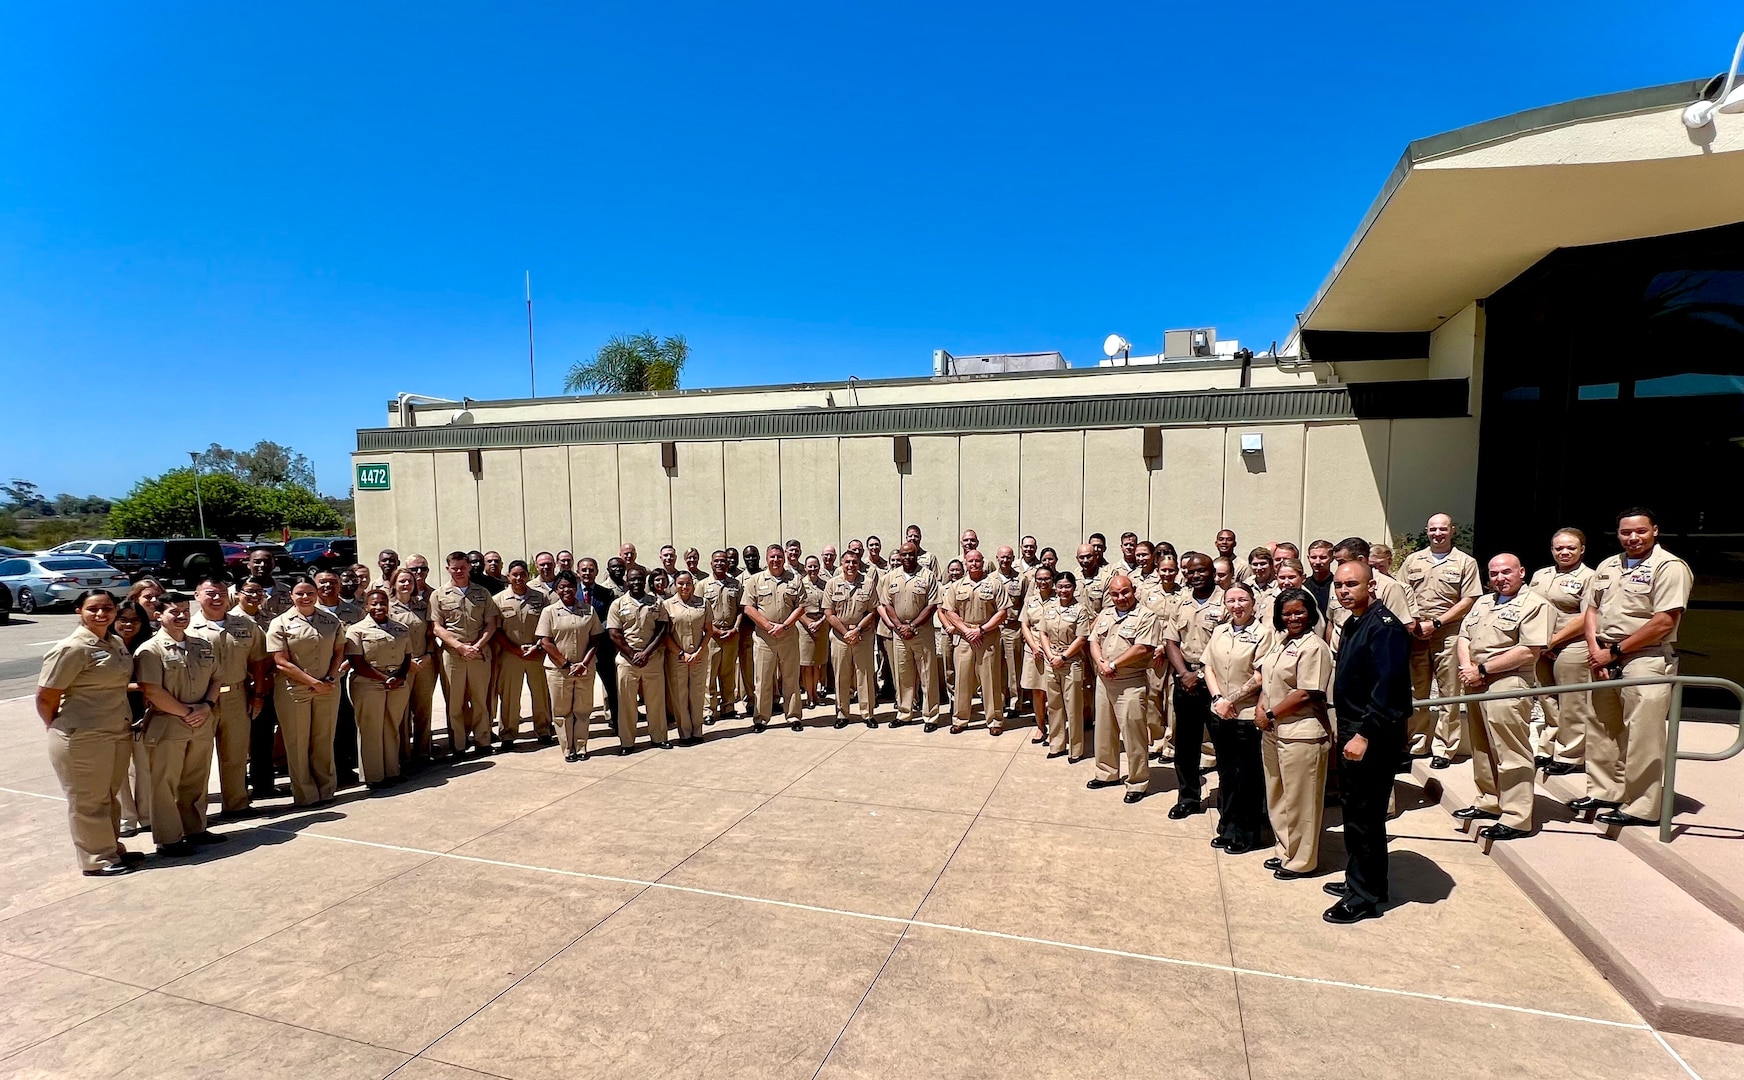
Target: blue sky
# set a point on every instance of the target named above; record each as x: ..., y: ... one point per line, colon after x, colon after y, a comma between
x: 263, y: 221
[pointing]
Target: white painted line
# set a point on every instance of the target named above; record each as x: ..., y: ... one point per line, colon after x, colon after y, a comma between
x: 33, y: 794
x: 34, y: 644
x: 1675, y: 1056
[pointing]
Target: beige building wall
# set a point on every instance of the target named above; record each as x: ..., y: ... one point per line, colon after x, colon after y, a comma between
x: 1117, y: 484
x: 929, y: 491
x: 644, y: 500
x: 987, y: 499
x: 502, y: 526
x: 811, y: 477
x: 753, y: 490
x: 699, y: 499
x: 593, y: 501
x: 871, y: 487
x: 545, y: 499
x: 1051, y: 495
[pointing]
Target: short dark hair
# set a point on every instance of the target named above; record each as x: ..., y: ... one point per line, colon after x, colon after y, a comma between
x: 1066, y: 575
x: 1307, y: 599
x: 452, y: 555
x: 1097, y: 536
x: 566, y: 575
x: 1356, y: 545
x: 213, y: 579
x: 522, y: 563
x: 1638, y: 511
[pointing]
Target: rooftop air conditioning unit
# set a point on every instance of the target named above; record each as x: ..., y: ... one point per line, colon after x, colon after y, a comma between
x: 1195, y: 344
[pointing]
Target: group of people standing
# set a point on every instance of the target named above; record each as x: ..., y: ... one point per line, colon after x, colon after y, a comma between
x: 1254, y: 667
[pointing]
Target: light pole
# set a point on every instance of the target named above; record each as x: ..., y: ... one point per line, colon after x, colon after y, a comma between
x: 194, y: 456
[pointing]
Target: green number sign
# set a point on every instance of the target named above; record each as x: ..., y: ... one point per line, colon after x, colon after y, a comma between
x: 373, y: 478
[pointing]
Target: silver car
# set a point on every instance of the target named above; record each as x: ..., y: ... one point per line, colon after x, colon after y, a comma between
x: 41, y: 581
x: 99, y: 548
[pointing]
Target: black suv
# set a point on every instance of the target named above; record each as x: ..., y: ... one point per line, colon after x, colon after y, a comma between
x: 178, y: 562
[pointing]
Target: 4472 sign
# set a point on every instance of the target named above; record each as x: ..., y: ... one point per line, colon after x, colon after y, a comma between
x: 374, y: 478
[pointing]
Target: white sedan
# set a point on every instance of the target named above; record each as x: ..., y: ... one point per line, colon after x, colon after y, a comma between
x: 41, y: 581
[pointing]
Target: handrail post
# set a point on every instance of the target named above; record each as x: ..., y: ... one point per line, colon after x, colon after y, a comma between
x: 1668, y: 787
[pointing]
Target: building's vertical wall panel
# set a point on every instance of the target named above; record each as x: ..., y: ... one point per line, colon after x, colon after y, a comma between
x: 415, y: 516
x: 1345, y: 478
x: 1259, y: 490
x: 377, y: 526
x: 699, y: 510
x: 1433, y: 469
x: 501, y: 519
x: 456, y: 505
x: 644, y: 499
x: 810, y: 492
x: 593, y: 501
x: 1117, y: 485
x: 1187, y: 492
x: 929, y: 492
x: 989, y: 469
x: 1051, y: 502
x: 545, y: 499
x: 753, y: 471
x: 871, y: 491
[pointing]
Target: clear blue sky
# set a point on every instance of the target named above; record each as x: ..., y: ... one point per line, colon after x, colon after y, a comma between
x: 242, y: 221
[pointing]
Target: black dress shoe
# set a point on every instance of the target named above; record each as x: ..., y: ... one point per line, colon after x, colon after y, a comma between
x: 572, y: 757
x: 1587, y: 802
x: 1438, y: 762
x: 667, y: 745
x: 482, y: 751
x: 1056, y: 753
x: 1335, y: 888
x: 623, y: 751
x: 1273, y: 863
x: 1542, y: 762
x: 871, y: 723
x: 1132, y: 796
x: 133, y: 858
x: 207, y: 839
x: 797, y: 725
x: 1502, y: 832
x: 929, y: 726
x: 1165, y: 758
x: 110, y: 870
x: 1038, y: 740
x: 1185, y: 809
x: 1075, y: 760
x: 507, y: 746
x: 1237, y: 847
x: 1283, y: 874
x: 1345, y: 912
x: 958, y: 729
x: 759, y: 725
x: 710, y: 721
x: 841, y: 722
x: 175, y: 850
x: 1472, y: 813
x: 547, y: 740
x: 1220, y: 841
x: 1563, y: 768
x: 1617, y: 817
x: 1095, y: 784
x: 349, y: 779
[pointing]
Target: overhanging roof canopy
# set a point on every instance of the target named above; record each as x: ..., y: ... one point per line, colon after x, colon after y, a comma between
x: 1466, y: 212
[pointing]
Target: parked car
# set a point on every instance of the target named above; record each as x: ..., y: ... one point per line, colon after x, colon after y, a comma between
x: 43, y: 581
x: 322, y: 552
x: 99, y: 548
x: 5, y: 605
x: 7, y: 553
x: 181, y: 562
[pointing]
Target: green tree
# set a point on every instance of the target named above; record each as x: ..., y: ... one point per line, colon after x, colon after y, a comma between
x: 25, y: 499
x: 628, y: 365
x: 267, y: 464
x: 166, y: 506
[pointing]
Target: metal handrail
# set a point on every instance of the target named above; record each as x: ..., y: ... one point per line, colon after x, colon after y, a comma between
x: 1673, y: 720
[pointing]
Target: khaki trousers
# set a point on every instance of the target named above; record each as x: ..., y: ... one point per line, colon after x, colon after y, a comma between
x: 1501, y: 749
x: 914, y: 664
x: 1296, y: 796
x: 776, y: 663
x: 92, y: 769
x: 978, y: 667
x: 748, y: 667
x: 1563, y: 736
x: 380, y: 712
x: 1156, y: 706
x: 572, y: 706
x: 1435, y: 663
x: 945, y: 648
x: 723, y: 674
x: 1626, y: 744
x: 1120, y: 721
x: 649, y: 680
x: 136, y: 788
x: 1065, y: 690
x: 180, y: 768
x: 467, y: 685
x: 686, y: 692
x: 308, y: 726
x: 415, y: 728
x: 853, y: 666
x: 232, y: 747
x: 513, y: 670
x: 1011, y: 652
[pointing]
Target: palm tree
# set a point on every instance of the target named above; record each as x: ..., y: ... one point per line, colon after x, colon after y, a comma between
x: 628, y: 365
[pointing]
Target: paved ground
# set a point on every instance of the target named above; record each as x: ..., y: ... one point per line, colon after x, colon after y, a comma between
x: 821, y: 904
x: 22, y: 643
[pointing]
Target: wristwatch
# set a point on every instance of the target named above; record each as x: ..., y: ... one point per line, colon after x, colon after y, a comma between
x: 1484, y: 671
x: 1616, y: 651
x: 1270, y: 715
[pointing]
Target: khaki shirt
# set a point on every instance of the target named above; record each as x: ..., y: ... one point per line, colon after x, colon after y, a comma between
x: 384, y: 645
x: 1303, y: 663
x: 1627, y: 597
x: 639, y: 620
x: 1193, y: 624
x: 549, y: 588
x: 1061, y: 625
x: 276, y: 603
x: 687, y: 622
x: 310, y: 644
x: 461, y: 611
x: 1492, y: 628
x: 851, y: 601
x: 1093, y: 591
x: 723, y: 597
x: 1016, y: 591
x: 926, y: 560
x: 518, y: 616
x: 571, y: 629
x: 1164, y: 603
x: 417, y: 626
x: 907, y: 595
x: 1265, y: 596
x: 1115, y: 634
x: 92, y: 674
x: 1564, y: 591
x: 1434, y: 585
x: 185, y: 670
x: 235, y: 639
x: 349, y: 612
x: 976, y: 602
x: 775, y: 597
x: 261, y: 618
x: 1388, y: 591
x: 1233, y: 654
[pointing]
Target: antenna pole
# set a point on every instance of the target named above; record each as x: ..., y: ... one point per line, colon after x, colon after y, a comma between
x: 532, y: 377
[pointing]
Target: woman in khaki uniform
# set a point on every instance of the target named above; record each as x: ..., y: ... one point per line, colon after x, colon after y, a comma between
x: 308, y: 647
x: 1230, y: 661
x: 814, y: 633
x: 687, y: 667
x: 1064, y: 629
x: 1035, y: 650
x: 81, y: 698
x: 567, y: 629
x: 1296, y: 735
x: 411, y: 611
x: 380, y: 649
x: 945, y: 642
x: 178, y: 674
x: 1560, y: 745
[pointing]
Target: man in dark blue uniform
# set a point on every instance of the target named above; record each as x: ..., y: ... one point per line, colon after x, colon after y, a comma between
x: 1372, y: 693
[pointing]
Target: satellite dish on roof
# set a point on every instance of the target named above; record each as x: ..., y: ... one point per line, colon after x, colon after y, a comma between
x: 1115, y: 345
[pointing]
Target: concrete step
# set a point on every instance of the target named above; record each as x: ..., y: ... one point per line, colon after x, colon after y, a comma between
x: 1676, y: 960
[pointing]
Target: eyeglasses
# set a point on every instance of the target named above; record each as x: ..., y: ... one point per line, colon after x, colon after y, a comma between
x: 417, y: 569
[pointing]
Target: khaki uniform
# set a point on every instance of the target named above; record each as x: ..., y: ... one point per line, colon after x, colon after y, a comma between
x: 1233, y: 655
x: 90, y: 741
x: 1011, y: 648
x: 1093, y: 591
x: 386, y: 647
x: 1626, y: 745
x: 687, y: 684
x: 1435, y: 585
x: 1191, y: 629
x: 1059, y: 626
x: 237, y: 641
x: 1563, y: 736
x: 1295, y: 751
x: 307, y: 719
x: 518, y: 620
x: 977, y: 666
x: 1031, y: 678
x: 1159, y: 717
x: 639, y: 621
x: 852, y: 602
x: 572, y: 630
x: 1501, y: 739
x: 181, y: 756
x: 723, y: 598
x: 1120, y: 714
x: 421, y: 682
x: 814, y: 647
x: 465, y: 683
x: 914, y: 661
x: 776, y: 660
x: 1265, y: 596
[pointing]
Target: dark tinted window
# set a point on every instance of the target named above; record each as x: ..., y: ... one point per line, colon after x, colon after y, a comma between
x: 13, y: 567
x: 71, y: 562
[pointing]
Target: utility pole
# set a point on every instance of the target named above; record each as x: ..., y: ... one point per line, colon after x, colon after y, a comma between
x: 532, y: 380
x: 194, y: 456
